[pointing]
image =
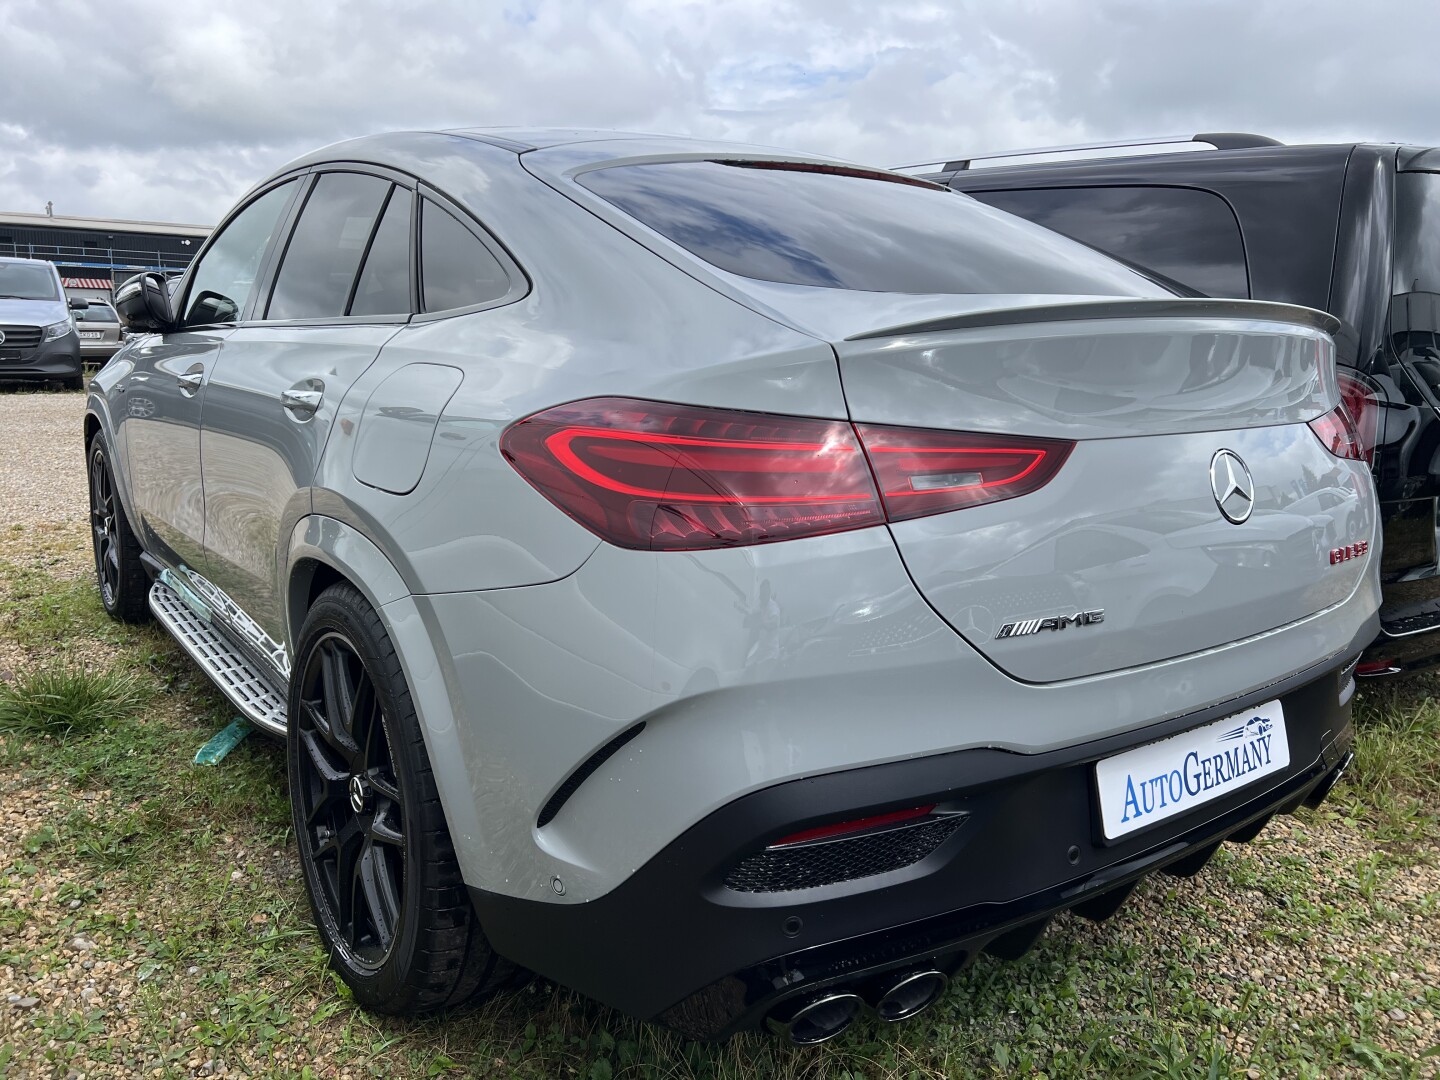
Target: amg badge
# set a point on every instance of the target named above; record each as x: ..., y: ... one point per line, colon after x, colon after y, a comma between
x: 1059, y: 622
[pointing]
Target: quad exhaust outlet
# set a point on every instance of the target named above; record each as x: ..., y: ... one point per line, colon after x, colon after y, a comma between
x: 822, y: 1017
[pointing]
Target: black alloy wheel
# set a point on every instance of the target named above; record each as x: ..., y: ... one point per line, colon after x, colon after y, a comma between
x: 350, y: 801
x: 124, y: 584
x: 379, y: 864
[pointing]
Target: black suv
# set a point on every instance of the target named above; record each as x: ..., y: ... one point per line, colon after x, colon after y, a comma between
x: 1352, y: 229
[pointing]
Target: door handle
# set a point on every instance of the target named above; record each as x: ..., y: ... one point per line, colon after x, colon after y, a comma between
x: 303, y: 399
x: 192, y: 380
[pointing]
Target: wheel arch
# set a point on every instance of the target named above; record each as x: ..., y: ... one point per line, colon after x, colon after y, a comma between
x: 324, y: 551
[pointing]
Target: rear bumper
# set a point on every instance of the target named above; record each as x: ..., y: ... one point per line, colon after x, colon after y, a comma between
x: 59, y: 359
x: 674, y: 944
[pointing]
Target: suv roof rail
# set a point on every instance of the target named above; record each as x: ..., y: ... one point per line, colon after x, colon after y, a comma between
x: 1220, y: 140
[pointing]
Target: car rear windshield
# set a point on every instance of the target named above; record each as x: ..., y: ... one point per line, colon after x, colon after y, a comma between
x: 24, y: 281
x: 843, y: 228
x: 96, y: 312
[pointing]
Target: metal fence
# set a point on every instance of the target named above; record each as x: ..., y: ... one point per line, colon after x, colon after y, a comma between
x: 118, y: 261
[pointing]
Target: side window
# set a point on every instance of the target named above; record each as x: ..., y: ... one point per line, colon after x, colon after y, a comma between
x: 318, y: 269
x: 1188, y: 235
x: 384, y: 285
x: 456, y: 269
x: 221, y: 284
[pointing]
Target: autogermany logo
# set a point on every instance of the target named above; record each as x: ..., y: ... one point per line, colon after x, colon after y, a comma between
x: 1232, y: 486
x: 1022, y: 627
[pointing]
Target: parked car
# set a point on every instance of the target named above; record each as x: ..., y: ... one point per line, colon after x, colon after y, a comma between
x: 100, y: 331
x: 1353, y: 229
x: 37, y: 334
x: 735, y: 584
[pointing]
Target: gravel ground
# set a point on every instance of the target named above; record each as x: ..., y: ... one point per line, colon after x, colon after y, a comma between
x: 42, y: 461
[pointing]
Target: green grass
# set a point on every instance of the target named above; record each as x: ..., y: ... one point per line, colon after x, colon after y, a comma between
x: 186, y: 877
x: 63, y: 700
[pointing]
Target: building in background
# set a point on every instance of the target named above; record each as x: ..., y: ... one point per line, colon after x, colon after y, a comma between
x: 94, y: 255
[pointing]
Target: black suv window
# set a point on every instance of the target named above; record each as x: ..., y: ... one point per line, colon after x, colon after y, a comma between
x: 1185, y: 234
x: 324, y: 253
x: 384, y: 285
x: 1415, y: 303
x: 456, y: 268
x: 850, y: 229
x: 221, y: 282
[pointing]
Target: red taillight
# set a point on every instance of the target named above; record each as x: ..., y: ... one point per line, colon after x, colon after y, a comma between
x: 1362, y: 404
x: 674, y: 477
x: 654, y: 476
x: 930, y: 472
x: 1336, y: 432
x: 858, y: 825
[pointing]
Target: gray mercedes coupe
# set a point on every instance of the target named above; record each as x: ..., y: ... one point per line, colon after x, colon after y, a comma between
x: 739, y: 585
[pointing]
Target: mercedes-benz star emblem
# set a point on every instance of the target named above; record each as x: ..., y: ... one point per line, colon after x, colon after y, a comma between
x: 1232, y: 486
x: 2, y: 337
x: 358, y: 795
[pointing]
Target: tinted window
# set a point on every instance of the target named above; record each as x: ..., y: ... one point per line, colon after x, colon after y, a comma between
x: 96, y: 312
x: 1187, y: 235
x: 384, y: 287
x: 28, y: 281
x: 221, y: 283
x: 1415, y: 304
x: 456, y: 269
x: 843, y: 231
x: 325, y: 249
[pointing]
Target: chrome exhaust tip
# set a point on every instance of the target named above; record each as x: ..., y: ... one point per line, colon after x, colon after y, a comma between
x: 912, y: 993
x: 819, y: 1019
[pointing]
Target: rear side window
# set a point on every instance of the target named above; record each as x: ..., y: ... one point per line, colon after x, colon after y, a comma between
x: 326, y: 247
x: 456, y: 269
x: 1184, y: 234
x: 848, y: 229
x: 384, y: 285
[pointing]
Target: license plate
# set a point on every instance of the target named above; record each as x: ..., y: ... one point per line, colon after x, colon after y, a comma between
x: 89, y: 337
x: 1158, y: 781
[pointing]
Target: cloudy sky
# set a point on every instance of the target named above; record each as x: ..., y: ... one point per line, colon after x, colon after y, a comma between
x: 170, y: 110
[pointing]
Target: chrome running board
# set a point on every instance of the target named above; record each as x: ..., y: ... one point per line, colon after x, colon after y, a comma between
x: 228, y: 668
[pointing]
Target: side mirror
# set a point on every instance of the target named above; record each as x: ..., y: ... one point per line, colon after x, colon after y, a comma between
x: 143, y: 304
x: 78, y: 303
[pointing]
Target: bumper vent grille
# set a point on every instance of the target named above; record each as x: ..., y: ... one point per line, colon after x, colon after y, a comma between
x: 808, y: 866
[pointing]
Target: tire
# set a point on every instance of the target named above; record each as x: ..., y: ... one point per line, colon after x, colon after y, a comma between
x: 124, y: 585
x: 378, y: 861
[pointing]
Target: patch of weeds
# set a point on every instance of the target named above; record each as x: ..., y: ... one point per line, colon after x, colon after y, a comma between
x: 1394, y: 784
x: 64, y: 700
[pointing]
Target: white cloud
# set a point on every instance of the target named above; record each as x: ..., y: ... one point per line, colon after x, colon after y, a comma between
x: 151, y: 109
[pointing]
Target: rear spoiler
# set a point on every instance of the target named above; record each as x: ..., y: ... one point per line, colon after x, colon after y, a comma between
x: 1167, y: 308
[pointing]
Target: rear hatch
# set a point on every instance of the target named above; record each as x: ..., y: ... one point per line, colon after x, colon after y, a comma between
x: 1061, y: 511
x: 1124, y: 556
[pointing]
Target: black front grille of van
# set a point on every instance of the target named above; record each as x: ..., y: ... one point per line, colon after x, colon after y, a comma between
x: 809, y: 866
x: 19, y: 339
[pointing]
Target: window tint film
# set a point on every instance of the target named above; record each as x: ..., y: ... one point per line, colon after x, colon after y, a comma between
x: 220, y: 285
x: 456, y: 269
x: 96, y: 312
x: 384, y: 286
x: 27, y: 281
x: 1187, y: 235
x: 842, y: 230
x: 326, y: 247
